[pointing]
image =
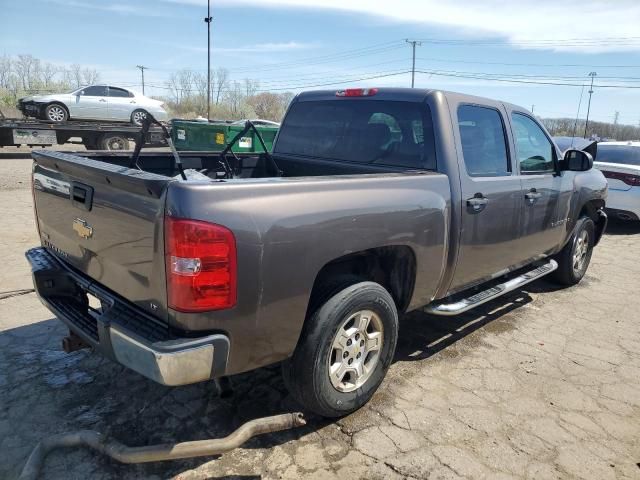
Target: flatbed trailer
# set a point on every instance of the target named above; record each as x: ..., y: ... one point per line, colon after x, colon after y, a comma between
x: 93, y: 135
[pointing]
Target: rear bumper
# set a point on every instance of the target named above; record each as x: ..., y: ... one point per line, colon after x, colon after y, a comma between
x: 624, y: 204
x: 120, y: 331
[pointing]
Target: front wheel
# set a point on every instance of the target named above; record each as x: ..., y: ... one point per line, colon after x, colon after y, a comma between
x: 573, y: 260
x: 345, y: 350
x: 56, y: 113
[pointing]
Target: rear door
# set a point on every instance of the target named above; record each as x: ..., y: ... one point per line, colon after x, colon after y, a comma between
x: 91, y: 102
x: 121, y: 104
x: 542, y: 185
x: 491, y: 194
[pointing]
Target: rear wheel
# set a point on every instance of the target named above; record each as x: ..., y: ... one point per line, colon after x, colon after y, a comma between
x: 573, y: 260
x: 138, y: 116
x: 345, y: 350
x: 56, y: 113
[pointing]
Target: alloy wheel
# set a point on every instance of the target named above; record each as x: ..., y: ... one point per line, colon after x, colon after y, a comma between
x: 355, y: 351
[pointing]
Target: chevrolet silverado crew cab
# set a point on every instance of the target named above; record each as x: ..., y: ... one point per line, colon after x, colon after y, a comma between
x: 373, y: 203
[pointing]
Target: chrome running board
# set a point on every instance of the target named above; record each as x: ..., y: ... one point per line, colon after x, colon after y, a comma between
x: 460, y: 306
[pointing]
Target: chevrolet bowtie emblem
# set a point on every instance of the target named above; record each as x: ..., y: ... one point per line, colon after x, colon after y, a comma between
x: 82, y: 228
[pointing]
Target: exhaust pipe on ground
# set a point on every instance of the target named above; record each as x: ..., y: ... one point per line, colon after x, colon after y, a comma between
x: 155, y: 453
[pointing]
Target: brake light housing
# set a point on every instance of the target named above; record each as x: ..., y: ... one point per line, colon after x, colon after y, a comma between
x: 357, y: 92
x: 627, y: 178
x: 201, y: 265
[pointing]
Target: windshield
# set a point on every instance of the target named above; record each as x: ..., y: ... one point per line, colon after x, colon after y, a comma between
x: 360, y: 131
x: 624, y: 154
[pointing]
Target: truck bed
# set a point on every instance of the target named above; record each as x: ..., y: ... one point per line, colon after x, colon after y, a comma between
x: 106, y: 222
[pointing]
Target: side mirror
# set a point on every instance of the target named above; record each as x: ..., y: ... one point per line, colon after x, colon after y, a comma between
x: 577, y: 161
x: 81, y: 92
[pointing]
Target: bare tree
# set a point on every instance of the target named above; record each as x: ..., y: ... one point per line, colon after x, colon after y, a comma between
x: 270, y: 106
x: 90, y: 76
x: 48, y: 73
x: 26, y: 68
x: 73, y: 75
x: 5, y: 71
x: 250, y: 87
x: 221, y: 82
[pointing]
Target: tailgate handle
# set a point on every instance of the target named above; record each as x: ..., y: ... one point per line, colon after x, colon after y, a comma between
x: 81, y: 195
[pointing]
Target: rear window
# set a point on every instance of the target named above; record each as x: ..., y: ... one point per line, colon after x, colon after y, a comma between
x: 360, y: 131
x: 625, y: 154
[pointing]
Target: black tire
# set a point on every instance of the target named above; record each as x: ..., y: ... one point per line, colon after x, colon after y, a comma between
x: 567, y: 273
x: 113, y: 142
x: 137, y: 116
x: 56, y: 112
x: 306, y: 373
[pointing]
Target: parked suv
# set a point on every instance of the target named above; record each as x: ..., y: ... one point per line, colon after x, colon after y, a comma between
x: 95, y: 102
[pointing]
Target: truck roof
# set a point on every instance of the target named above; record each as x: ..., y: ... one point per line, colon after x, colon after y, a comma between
x: 402, y: 94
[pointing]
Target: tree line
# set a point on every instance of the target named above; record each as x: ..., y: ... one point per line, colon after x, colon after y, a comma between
x: 186, y: 95
x: 569, y: 127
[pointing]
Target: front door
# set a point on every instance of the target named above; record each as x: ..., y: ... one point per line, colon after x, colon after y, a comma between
x: 491, y: 196
x: 541, y: 186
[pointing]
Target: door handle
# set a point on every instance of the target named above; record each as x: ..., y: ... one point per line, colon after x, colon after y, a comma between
x: 532, y: 195
x: 102, y: 100
x: 478, y: 202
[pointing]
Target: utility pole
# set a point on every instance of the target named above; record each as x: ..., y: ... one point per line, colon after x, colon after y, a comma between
x: 142, y: 69
x: 207, y: 20
x: 586, y: 124
x: 413, y: 63
x: 532, y: 107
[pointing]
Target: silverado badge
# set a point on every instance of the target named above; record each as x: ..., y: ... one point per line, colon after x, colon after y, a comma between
x: 82, y: 228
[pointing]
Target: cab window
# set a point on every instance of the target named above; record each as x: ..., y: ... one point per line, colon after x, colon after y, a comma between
x: 484, y: 146
x: 534, y: 150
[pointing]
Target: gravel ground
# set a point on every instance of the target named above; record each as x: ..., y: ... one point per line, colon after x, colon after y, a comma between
x: 543, y: 383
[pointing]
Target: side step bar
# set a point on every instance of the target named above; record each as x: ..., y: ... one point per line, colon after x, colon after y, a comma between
x: 460, y: 306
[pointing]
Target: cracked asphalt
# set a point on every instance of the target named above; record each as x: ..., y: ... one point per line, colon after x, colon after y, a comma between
x: 541, y: 384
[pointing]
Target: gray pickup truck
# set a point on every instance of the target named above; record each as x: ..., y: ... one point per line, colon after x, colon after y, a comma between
x: 373, y: 203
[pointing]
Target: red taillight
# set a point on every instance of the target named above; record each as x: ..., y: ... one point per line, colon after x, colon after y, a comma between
x: 201, y: 265
x: 357, y: 92
x: 629, y: 179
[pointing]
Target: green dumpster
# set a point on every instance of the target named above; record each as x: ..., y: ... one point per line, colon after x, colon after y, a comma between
x: 204, y: 136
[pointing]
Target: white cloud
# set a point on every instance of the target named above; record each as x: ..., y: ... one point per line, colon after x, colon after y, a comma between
x: 119, y: 8
x: 518, y: 22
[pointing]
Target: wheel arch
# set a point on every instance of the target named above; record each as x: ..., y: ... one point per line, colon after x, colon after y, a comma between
x: 594, y: 210
x: 393, y: 267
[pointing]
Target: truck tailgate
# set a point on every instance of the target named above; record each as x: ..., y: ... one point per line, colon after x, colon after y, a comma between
x: 105, y: 221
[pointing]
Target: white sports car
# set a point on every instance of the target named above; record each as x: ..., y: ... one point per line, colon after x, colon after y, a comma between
x: 95, y: 102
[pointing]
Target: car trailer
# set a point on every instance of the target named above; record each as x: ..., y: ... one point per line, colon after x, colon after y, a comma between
x: 93, y: 135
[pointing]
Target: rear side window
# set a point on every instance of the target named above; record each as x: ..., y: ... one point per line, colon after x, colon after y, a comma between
x: 118, y: 92
x: 484, y: 145
x: 96, y: 91
x: 624, y: 154
x: 534, y: 149
x: 384, y: 133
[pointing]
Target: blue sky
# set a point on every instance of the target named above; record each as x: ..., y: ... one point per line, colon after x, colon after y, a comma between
x: 295, y: 44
